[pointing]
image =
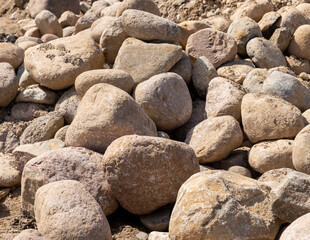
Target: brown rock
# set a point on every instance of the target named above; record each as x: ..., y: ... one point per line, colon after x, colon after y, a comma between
x: 97, y: 6
x: 11, y: 54
x: 33, y: 32
x: 298, y: 65
x: 8, y: 83
x: 143, y: 5
x: 240, y: 170
x: 268, y: 22
x: 136, y: 172
x: 102, y: 119
x: 300, y: 42
x: 281, y: 38
x: 111, y: 10
x: 253, y: 83
x: 183, y: 68
x: 27, y: 111
x: 67, y: 19
x: 37, y: 94
x: 304, y: 8
x: 85, y: 21
x: 48, y: 37
x: 297, y: 229
x: 99, y: 26
x: 47, y: 22
x: 30, y: 234
x: 9, y: 174
x: 61, y: 133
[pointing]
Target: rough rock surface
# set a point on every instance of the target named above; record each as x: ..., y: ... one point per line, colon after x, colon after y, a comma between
x: 9, y: 174
x: 8, y: 83
x: 11, y: 54
x: 300, y: 42
x: 298, y: 229
x: 142, y: 5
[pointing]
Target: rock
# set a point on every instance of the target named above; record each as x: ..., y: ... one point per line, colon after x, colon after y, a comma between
x: 142, y: 5
x: 26, y: 24
x: 55, y: 6
x: 9, y: 174
x: 144, y: 60
x: 33, y: 32
x: 8, y: 83
x: 48, y: 37
x: 26, y: 45
x: 218, y: 22
x: 102, y: 119
x: 24, y: 78
x: 37, y: 94
x: 158, y: 220
x: 264, y: 54
x: 65, y: 210
x: 240, y: 170
x: 159, y: 236
x: 285, y: 205
x: 30, y: 234
x: 266, y: 117
x: 198, y: 115
x: 11, y: 54
x: 188, y: 28
x: 70, y: 163
x: 85, y: 21
x: 24, y: 153
x: 217, y: 46
x: 163, y: 134
x: 67, y: 19
x: 214, y: 138
x: 203, y: 73
x: 270, y: 155
x: 291, y: 18
x: 68, y: 104
x: 253, y: 9
x: 117, y: 78
x: 283, y: 70
x: 212, y: 203
x: 4, y: 192
x: 238, y: 157
x: 68, y: 31
x: 159, y: 97
x: 112, y: 39
x: 42, y: 128
x: 288, y: 88
x: 243, y: 30
x: 27, y: 111
x: 111, y: 10
x: 306, y: 115
x: 268, y: 22
x: 304, y: 8
x: 64, y: 56
x: 136, y: 172
x: 183, y: 68
x: 224, y: 98
x: 298, y: 65
x: 97, y: 6
x: 297, y: 229
x: 236, y: 70
x: 61, y: 133
x: 147, y: 26
x: 300, y: 42
x: 281, y: 38
x: 99, y: 26
x: 47, y: 22
x: 26, y: 39
x: 142, y: 236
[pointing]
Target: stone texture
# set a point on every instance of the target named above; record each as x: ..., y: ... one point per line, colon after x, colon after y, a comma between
x: 85, y: 21
x: 253, y: 83
x: 27, y: 111
x: 139, y: 166
x: 67, y: 19
x: 304, y: 8
x: 159, y: 236
x: 37, y: 94
x: 281, y: 38
x: 65, y: 57
x: 8, y: 83
x: 217, y: 46
x: 4, y: 192
x: 300, y: 42
x: 111, y: 10
x: 268, y: 22
x: 105, y: 114
x: 49, y: 37
x: 142, y: 5
x: 214, y: 138
x: 24, y: 77
x: 298, y: 65
x: 183, y: 68
x: 264, y: 54
x: 224, y: 98
x: 11, y: 54
x: 9, y: 174
x: 158, y: 220
x: 240, y: 170
x: 70, y: 163
x: 65, y: 210
x: 99, y: 26
x: 98, y: 6
x: 61, y: 133
x: 47, y: 22
x: 42, y: 128
x: 270, y: 155
x: 266, y: 117
x: 117, y: 78
x: 283, y: 182
x: 212, y: 203
x: 299, y: 229
x: 144, y: 60
x: 30, y: 234
x: 160, y: 99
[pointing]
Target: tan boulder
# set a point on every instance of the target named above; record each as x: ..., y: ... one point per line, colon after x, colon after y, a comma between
x: 298, y: 65
x: 30, y: 234
x: 215, y: 138
x: 8, y: 83
x: 86, y: 21
x: 11, y: 54
x: 99, y: 26
x: 300, y: 42
x: 61, y: 133
x: 253, y: 83
x: 98, y: 6
x: 67, y: 19
x: 145, y: 178
x: 240, y: 170
x: 268, y: 22
x: 183, y: 68
x: 281, y: 38
x: 48, y: 37
x: 10, y: 175
x: 105, y: 114
x: 304, y: 8
x: 142, y: 5
x: 299, y: 229
x: 301, y: 160
x: 27, y: 111
x: 47, y: 22
x: 110, y: 10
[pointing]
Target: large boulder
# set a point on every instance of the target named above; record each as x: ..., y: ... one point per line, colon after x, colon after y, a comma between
x: 142, y: 5
x: 300, y: 42
x: 65, y: 210
x: 47, y: 23
x: 9, y: 173
x: 105, y: 114
x: 30, y: 234
x: 12, y: 54
x: 222, y: 205
x: 146, y: 173
x: 299, y: 229
x: 8, y: 83
x: 62, y: 60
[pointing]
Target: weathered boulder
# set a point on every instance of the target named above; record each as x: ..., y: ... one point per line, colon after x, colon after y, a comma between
x: 9, y: 173
x: 183, y: 68
x: 299, y: 229
x: 99, y: 26
x: 30, y: 234
x: 12, y: 54
x: 142, y: 5
x: 85, y: 22
x: 253, y: 83
x: 300, y: 42
x: 27, y: 111
x: 47, y: 22
x: 67, y: 19
x: 8, y: 83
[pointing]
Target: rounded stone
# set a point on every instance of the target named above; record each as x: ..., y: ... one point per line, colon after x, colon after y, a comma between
x: 298, y: 65
x: 10, y: 175
x: 300, y: 42
x: 142, y: 5
x: 253, y: 83
x: 47, y: 22
x: 8, y: 83
x: 99, y: 26
x: 27, y: 111
x: 12, y: 54
x: 183, y: 68
x: 299, y: 229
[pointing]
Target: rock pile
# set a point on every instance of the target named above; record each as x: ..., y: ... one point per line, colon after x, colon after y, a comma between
x: 201, y: 128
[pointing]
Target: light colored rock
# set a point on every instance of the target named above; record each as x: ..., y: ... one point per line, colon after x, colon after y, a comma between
x: 9, y: 174
x: 30, y: 234
x: 26, y: 24
x: 217, y: 46
x: 48, y: 37
x: 4, y: 192
x: 158, y: 220
x: 268, y: 22
x: 24, y: 78
x: 102, y: 119
x: 26, y: 39
x: 26, y: 45
x: 240, y: 170
x: 159, y: 236
x: 65, y: 210
x: 85, y: 21
x: 224, y: 98
x: 8, y: 83
x: 67, y: 19
x: 11, y: 54
x: 288, y: 88
x: 117, y: 78
x: 214, y: 138
x: 99, y: 26
x: 243, y: 30
x: 37, y: 94
x: 218, y: 22
x: 285, y: 205
x: 142, y: 5
x: 68, y: 31
x: 42, y: 128
x: 97, y: 6
x: 160, y: 99
x: 65, y: 57
x: 297, y: 229
x: 183, y: 68
x: 111, y: 10
x: 222, y: 205
x: 266, y: 117
x: 27, y: 111
x: 264, y: 54
x: 33, y: 32
x: 304, y: 8
x: 300, y: 42
x: 61, y: 133
x: 281, y: 38
x: 298, y: 65
x: 47, y: 22
x: 136, y: 172
x: 270, y: 155
x: 78, y: 164
x: 144, y: 60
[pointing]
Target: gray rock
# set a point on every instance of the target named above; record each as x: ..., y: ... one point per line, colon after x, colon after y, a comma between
x: 158, y: 220
x: 183, y: 68
x: 10, y: 175
x: 27, y: 111
x: 281, y: 38
x: 37, y: 94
